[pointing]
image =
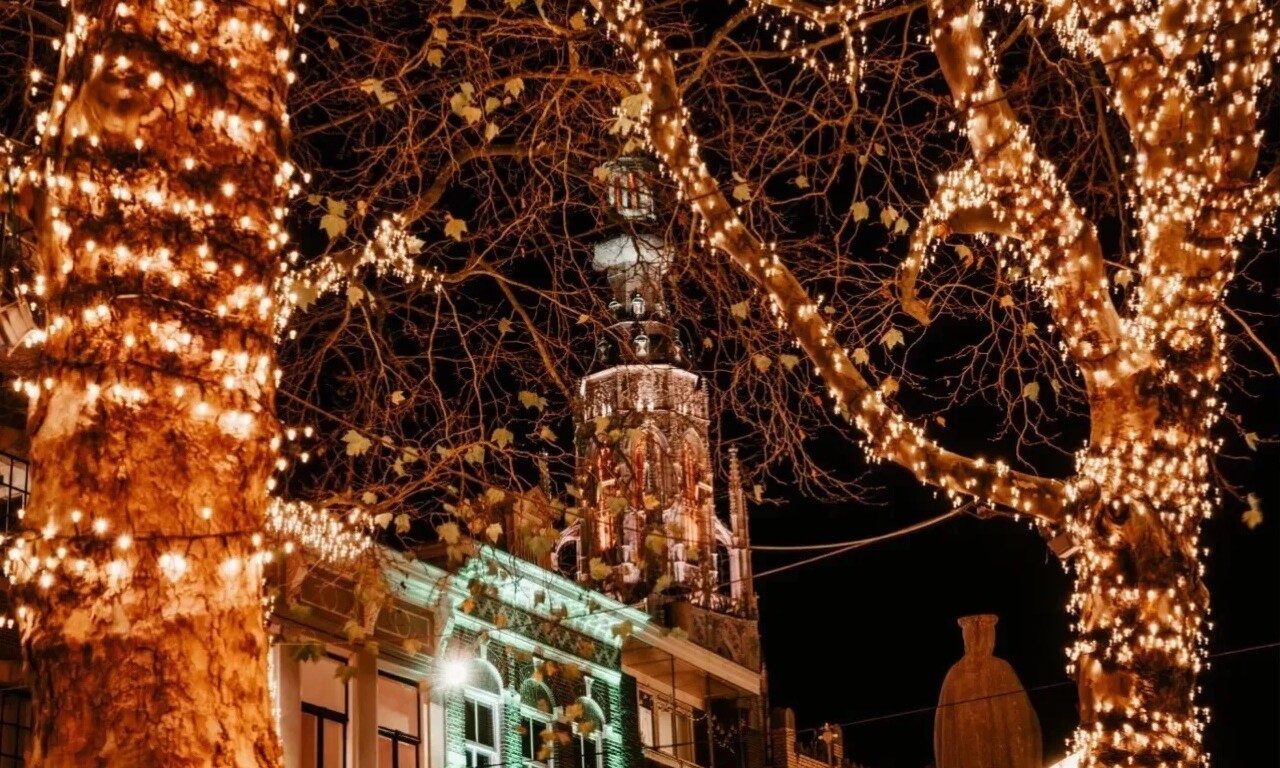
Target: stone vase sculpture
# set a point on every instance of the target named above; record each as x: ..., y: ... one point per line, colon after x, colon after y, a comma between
x: 984, y: 717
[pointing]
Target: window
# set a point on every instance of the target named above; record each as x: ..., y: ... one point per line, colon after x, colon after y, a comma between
x: 481, y: 715
x: 646, y: 720
x: 587, y: 746
x: 15, y: 727
x: 536, y: 742
x: 673, y: 728
x: 586, y: 742
x: 13, y: 489
x: 480, y: 730
x: 535, y: 747
x: 399, y: 723
x: 324, y: 715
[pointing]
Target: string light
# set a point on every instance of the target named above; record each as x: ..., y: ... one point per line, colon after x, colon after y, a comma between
x: 1143, y: 486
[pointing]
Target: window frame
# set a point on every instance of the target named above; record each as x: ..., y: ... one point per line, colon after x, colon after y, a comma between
x: 323, y: 714
x: 398, y: 738
x: 21, y: 730
x: 472, y: 696
x: 596, y: 737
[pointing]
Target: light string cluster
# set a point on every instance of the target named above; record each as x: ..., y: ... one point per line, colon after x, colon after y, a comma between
x: 1143, y: 487
x: 389, y: 253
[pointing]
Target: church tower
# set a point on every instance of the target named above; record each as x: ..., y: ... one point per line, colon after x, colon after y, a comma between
x: 645, y: 465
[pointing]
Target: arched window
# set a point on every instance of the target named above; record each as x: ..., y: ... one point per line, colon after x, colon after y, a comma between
x: 537, y: 740
x: 482, y: 711
x: 724, y: 571
x: 649, y: 470
x: 566, y: 557
x: 588, y: 736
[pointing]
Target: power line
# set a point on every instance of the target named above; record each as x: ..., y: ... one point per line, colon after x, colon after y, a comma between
x: 856, y: 544
x: 1046, y: 686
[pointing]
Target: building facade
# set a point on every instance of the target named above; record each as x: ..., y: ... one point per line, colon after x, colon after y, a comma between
x: 632, y: 644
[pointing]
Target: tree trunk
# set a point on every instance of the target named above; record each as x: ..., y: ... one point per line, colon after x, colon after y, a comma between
x: 152, y: 424
x: 1139, y: 595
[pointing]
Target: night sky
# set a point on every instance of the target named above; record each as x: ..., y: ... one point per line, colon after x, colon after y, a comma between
x: 863, y: 636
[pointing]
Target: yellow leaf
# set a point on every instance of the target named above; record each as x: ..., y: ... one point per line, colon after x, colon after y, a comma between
x: 889, y: 386
x: 491, y: 131
x: 502, y: 437
x: 1252, y: 517
x: 449, y: 533
x: 403, y: 523
x: 761, y: 362
x: 577, y: 21
x: 456, y: 7
x: 740, y: 310
x: 397, y: 397
x: 802, y: 181
x: 532, y: 400
x: 514, y: 87
x: 454, y: 228
x: 494, y: 532
x: 492, y: 104
x: 861, y: 356
x: 1031, y: 391
x: 547, y: 434
x: 600, y: 570
x: 435, y: 57
x: 888, y: 216
x: 788, y: 361
x: 860, y: 210
x: 741, y: 191
x: 1006, y: 301
x: 891, y: 338
x: 504, y: 325
x: 514, y: 4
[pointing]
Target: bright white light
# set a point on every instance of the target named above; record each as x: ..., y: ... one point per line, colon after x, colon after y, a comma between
x: 453, y: 674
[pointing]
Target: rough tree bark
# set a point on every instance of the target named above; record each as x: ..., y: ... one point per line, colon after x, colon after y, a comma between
x: 152, y: 422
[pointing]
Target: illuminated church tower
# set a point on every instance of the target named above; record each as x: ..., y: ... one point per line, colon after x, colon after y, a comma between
x: 645, y: 465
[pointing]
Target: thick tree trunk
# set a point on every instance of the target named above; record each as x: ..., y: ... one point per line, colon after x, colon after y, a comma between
x: 1139, y: 597
x: 153, y: 431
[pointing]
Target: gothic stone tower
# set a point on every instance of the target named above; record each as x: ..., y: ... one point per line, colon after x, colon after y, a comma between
x: 645, y: 468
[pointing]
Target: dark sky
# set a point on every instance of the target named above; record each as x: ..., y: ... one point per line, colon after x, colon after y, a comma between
x: 863, y: 636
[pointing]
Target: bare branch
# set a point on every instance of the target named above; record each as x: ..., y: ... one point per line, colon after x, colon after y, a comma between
x: 888, y: 435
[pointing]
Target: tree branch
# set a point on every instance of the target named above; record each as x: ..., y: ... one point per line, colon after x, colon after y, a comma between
x: 888, y: 435
x: 958, y: 207
x: 1063, y: 253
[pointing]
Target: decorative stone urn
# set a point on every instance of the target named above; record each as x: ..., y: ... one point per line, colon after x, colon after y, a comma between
x: 984, y: 718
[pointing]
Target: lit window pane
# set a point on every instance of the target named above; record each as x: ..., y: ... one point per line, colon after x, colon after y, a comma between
x: 398, y: 708
x: 310, y: 741
x: 321, y: 686
x: 408, y: 755
x: 333, y: 746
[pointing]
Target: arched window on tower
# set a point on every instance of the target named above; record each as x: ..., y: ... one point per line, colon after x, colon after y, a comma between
x: 649, y: 470
x: 692, y: 467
